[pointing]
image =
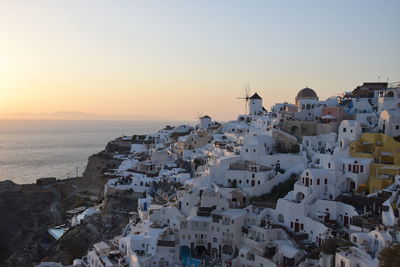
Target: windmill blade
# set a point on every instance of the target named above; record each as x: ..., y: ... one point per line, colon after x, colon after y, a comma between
x: 247, y: 90
x: 199, y: 114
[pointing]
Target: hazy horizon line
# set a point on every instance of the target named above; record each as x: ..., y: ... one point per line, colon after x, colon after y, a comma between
x: 80, y: 115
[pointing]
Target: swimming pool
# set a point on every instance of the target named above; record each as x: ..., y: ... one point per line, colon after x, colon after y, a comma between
x: 187, y: 260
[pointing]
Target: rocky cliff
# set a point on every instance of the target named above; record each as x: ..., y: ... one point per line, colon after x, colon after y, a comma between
x: 28, y: 211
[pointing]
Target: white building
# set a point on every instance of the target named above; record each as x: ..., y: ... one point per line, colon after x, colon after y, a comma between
x: 349, y: 131
x: 389, y: 122
x: 255, y: 105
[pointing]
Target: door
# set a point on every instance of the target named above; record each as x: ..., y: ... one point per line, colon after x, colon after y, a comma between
x: 327, y: 217
x: 346, y: 221
x: 296, y: 227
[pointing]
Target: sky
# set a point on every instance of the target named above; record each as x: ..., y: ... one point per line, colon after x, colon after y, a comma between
x: 177, y: 59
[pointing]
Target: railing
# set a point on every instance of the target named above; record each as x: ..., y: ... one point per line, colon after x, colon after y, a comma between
x: 200, y: 241
x: 225, y: 222
x: 226, y: 240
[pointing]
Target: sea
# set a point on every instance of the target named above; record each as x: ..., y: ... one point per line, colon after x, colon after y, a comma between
x: 32, y: 149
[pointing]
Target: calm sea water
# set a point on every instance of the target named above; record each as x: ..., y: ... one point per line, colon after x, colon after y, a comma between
x: 34, y: 149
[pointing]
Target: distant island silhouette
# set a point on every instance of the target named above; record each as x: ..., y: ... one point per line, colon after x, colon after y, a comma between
x: 78, y: 115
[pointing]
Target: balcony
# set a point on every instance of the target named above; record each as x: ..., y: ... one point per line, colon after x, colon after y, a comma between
x: 254, y: 241
x: 227, y: 240
x: 226, y: 222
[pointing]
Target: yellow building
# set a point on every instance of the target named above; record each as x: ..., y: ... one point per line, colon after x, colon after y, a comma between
x: 385, y: 151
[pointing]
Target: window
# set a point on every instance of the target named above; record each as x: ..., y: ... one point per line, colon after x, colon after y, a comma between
x: 361, y: 168
x: 397, y: 127
x: 318, y: 181
x: 329, y: 165
x: 247, y: 150
x: 326, y: 181
x: 253, y: 175
x: 344, y: 129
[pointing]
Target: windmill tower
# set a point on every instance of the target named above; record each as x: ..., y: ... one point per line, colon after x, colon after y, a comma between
x: 204, y: 120
x: 255, y: 104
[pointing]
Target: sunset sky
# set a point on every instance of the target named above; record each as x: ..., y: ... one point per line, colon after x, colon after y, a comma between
x: 174, y: 59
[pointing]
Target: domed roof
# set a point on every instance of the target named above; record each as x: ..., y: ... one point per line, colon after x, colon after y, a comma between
x: 306, y: 93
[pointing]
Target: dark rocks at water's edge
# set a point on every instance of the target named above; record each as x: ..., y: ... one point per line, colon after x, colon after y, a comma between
x: 25, y: 214
x: 29, y: 210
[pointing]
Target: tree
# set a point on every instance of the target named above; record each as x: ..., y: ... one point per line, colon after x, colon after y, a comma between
x: 390, y: 256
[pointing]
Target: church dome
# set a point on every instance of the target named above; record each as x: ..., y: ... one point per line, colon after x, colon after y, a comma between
x: 306, y: 93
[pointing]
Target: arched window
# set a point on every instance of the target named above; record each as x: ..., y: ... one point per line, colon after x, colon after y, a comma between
x: 390, y: 94
x: 318, y: 181
x: 326, y: 181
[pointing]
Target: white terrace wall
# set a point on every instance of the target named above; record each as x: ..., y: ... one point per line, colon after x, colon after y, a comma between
x: 265, y: 188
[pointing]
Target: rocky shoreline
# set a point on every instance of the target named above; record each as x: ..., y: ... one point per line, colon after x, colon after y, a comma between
x: 29, y: 210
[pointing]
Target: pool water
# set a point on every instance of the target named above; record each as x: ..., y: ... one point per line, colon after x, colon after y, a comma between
x: 187, y: 260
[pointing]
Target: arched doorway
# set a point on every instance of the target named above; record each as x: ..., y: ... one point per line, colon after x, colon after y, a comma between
x: 200, y: 251
x: 294, y: 130
x: 350, y: 185
x: 227, y: 249
x: 299, y: 197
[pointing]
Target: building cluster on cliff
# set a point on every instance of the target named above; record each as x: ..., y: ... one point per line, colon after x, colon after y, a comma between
x: 314, y: 183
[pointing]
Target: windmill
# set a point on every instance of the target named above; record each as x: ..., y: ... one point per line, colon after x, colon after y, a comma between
x: 246, y: 96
